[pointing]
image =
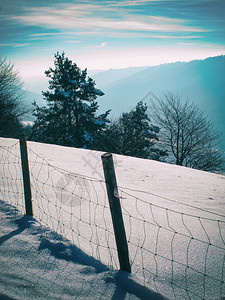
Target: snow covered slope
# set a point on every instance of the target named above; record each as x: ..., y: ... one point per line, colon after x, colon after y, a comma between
x: 174, y: 216
x: 39, y: 264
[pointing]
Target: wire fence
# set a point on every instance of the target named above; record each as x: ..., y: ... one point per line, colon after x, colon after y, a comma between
x: 178, y: 252
x: 74, y: 206
x: 183, y: 249
x: 11, y: 182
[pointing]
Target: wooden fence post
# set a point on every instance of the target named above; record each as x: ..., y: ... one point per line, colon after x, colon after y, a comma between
x: 116, y: 213
x: 26, y: 175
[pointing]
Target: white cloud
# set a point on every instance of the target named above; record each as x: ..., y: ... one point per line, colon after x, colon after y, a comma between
x: 131, y: 2
x: 15, y: 45
x: 43, y: 34
x: 125, y: 34
x: 73, y: 42
x: 102, y: 45
x: 85, y: 17
x: 186, y: 44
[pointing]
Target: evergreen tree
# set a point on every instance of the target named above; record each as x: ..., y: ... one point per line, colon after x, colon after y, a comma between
x: 70, y: 117
x: 132, y: 134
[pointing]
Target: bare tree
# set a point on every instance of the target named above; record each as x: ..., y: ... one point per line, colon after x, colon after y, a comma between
x: 11, y: 107
x: 187, y: 133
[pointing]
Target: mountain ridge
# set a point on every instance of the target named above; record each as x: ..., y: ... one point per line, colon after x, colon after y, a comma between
x: 200, y: 81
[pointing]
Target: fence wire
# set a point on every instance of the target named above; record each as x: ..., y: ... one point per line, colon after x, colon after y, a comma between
x: 176, y: 249
x: 182, y: 249
x: 11, y: 183
x: 74, y: 206
x: 48, y: 267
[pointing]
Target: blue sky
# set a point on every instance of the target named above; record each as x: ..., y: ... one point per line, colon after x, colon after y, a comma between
x: 109, y: 34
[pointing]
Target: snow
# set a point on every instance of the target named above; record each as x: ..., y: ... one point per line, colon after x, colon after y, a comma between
x: 155, y: 128
x: 64, y: 94
x: 85, y: 84
x: 171, y: 214
x: 98, y: 92
x: 74, y: 81
x: 86, y: 107
x: 39, y: 264
x: 87, y: 136
x: 99, y: 121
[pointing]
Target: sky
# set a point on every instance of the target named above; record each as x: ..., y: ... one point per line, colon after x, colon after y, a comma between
x: 107, y: 34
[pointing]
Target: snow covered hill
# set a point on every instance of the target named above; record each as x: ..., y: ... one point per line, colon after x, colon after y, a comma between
x: 174, y: 216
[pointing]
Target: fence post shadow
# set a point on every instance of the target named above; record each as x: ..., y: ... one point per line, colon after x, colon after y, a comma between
x: 125, y: 284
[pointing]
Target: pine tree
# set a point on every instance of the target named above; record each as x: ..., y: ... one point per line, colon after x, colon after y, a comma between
x: 70, y: 116
x: 133, y: 134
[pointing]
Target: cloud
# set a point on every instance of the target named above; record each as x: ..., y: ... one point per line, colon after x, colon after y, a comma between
x: 86, y: 17
x: 151, y: 26
x: 15, y: 45
x: 186, y: 44
x: 102, y: 45
x: 194, y: 44
x: 74, y: 42
x: 128, y: 3
x: 125, y: 34
x: 43, y: 34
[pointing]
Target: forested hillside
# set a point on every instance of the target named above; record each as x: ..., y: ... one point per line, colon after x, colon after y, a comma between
x: 202, y: 81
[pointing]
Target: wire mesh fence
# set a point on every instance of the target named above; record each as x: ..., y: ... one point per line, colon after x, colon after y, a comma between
x: 180, y: 248
x: 11, y: 183
x: 37, y: 263
x: 74, y: 206
x: 186, y: 250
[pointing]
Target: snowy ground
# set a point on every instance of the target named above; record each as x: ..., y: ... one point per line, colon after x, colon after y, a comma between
x: 39, y: 264
x: 174, y: 216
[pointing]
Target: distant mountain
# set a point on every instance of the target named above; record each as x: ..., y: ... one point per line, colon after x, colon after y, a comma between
x: 105, y: 79
x: 27, y: 100
x: 202, y: 81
